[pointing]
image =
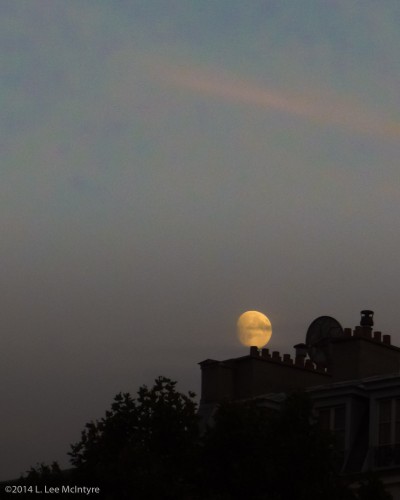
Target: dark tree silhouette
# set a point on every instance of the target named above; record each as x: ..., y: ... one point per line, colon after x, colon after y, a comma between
x: 145, y: 446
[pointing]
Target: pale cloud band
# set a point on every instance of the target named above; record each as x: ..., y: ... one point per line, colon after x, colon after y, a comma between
x: 322, y: 109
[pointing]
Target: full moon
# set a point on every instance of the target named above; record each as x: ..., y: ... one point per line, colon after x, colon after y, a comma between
x: 254, y: 329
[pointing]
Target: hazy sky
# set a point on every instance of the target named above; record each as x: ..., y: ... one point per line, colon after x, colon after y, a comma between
x: 169, y: 164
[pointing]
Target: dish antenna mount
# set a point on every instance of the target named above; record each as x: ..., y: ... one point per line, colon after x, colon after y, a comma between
x: 319, y: 334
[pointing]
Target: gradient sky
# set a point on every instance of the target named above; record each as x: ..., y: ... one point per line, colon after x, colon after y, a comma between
x: 169, y: 164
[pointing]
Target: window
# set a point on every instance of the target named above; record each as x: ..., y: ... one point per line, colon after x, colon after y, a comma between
x: 388, y: 451
x: 397, y: 422
x: 385, y: 422
x: 389, y: 421
x: 339, y: 426
x: 334, y: 419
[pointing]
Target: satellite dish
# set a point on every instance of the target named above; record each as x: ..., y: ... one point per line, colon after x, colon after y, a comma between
x: 319, y: 334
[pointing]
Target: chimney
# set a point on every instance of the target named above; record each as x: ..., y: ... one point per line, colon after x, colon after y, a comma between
x: 386, y: 339
x: 366, y: 324
x: 367, y: 318
x: 254, y: 351
x: 265, y: 354
x: 309, y: 365
x: 301, y: 354
x: 287, y: 359
x: 276, y: 356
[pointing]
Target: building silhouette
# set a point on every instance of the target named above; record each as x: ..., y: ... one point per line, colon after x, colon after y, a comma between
x: 352, y: 377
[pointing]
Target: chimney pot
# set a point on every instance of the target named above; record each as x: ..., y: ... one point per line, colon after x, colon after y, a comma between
x: 254, y: 351
x: 276, y: 356
x: 301, y: 350
x: 309, y: 364
x: 287, y: 359
x: 367, y: 318
x: 299, y: 361
x: 378, y: 336
x: 366, y: 331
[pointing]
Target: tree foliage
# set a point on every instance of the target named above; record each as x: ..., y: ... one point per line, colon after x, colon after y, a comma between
x: 45, y: 474
x: 145, y: 445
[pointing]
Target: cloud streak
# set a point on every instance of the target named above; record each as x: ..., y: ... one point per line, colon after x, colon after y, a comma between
x: 325, y: 110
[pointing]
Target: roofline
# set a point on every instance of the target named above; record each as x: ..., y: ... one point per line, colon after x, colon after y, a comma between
x: 355, y: 338
x: 232, y: 361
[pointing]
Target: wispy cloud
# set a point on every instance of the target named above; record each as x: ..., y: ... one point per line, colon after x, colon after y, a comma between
x: 327, y: 109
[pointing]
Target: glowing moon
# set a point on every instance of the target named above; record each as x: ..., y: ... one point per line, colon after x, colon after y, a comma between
x: 254, y: 328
